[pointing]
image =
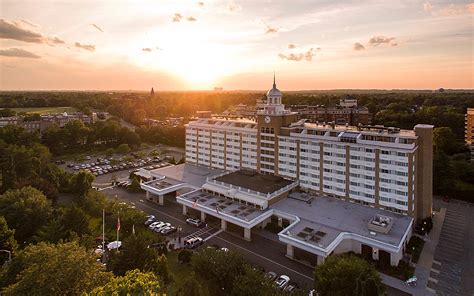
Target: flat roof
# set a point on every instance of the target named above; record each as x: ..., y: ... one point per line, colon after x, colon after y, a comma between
x: 224, y: 205
x: 163, y: 184
x: 323, y: 219
x: 191, y: 174
x: 254, y: 181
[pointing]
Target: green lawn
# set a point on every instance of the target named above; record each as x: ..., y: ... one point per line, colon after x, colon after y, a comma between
x: 44, y: 110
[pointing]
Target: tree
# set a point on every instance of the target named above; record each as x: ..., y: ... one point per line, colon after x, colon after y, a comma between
x: 25, y: 210
x: 75, y: 219
x: 82, y: 182
x: 48, y: 269
x: 445, y: 140
x: 134, y: 282
x: 160, y: 268
x: 245, y: 284
x: 135, y: 185
x: 184, y: 256
x: 7, y: 239
x: 52, y: 232
x: 347, y: 275
x: 190, y: 286
x: 123, y: 149
x: 218, y: 269
x: 134, y: 254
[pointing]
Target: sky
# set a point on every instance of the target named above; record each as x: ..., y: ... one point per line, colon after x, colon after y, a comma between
x: 237, y: 45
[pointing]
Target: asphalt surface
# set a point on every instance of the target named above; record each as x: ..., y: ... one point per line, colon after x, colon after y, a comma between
x: 262, y: 251
x: 452, y: 272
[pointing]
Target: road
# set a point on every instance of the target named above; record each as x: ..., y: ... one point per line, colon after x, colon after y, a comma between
x: 262, y: 251
x: 452, y: 272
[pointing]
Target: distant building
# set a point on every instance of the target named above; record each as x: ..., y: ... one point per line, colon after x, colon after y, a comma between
x: 470, y: 131
x: 204, y: 114
x: 152, y: 93
x: 218, y: 89
x: 347, y: 112
x: 46, y: 120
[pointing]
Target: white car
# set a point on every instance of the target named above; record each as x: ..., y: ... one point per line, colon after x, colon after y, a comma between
x: 282, y: 281
x: 159, y: 228
x: 154, y: 224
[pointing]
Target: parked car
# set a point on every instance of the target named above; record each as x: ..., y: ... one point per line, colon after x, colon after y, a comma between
x: 195, y: 222
x: 291, y: 288
x: 168, y: 230
x: 193, y: 243
x: 154, y: 224
x: 150, y: 220
x: 270, y: 275
x: 282, y: 281
x: 159, y: 228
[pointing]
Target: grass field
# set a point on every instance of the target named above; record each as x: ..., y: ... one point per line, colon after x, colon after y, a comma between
x: 44, y: 110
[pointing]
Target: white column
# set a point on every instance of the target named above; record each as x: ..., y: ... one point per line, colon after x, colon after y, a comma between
x: 264, y: 223
x: 280, y: 221
x: 185, y: 210
x: 147, y: 195
x: 223, y: 224
x: 203, y: 216
x: 247, y: 234
x: 375, y: 254
x: 161, y: 199
x: 320, y: 259
x: 289, y: 251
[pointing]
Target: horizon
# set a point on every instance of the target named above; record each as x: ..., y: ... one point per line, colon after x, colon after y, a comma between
x: 237, y: 45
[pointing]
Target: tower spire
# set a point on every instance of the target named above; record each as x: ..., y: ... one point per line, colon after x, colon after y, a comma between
x: 274, y: 84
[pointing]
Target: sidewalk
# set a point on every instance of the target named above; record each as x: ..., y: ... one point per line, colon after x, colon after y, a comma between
x: 423, y: 267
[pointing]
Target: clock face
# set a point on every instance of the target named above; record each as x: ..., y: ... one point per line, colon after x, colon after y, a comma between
x: 267, y: 119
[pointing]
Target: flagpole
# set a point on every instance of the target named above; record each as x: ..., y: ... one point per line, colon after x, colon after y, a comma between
x: 118, y: 230
x: 103, y: 229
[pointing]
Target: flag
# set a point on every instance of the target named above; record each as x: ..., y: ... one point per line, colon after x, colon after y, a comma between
x: 133, y: 229
x: 195, y: 203
x: 217, y: 210
x: 118, y: 224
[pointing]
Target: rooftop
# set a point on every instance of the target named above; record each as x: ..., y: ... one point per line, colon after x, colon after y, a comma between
x: 191, y: 174
x: 225, y: 206
x: 323, y: 219
x: 254, y: 181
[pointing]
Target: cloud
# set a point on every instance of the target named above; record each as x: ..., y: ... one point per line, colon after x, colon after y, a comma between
x: 55, y: 40
x: 191, y: 19
x: 88, y: 47
x: 200, y: 4
x: 358, y: 46
x: 177, y: 17
x: 291, y: 46
x: 377, y: 40
x: 14, y: 30
x: 29, y: 23
x: 147, y: 49
x: 270, y: 30
x: 233, y: 7
x: 18, y: 53
x: 448, y: 10
x: 97, y: 27
x: 306, y: 56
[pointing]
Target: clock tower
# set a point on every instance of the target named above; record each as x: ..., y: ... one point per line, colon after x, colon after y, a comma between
x: 270, y: 120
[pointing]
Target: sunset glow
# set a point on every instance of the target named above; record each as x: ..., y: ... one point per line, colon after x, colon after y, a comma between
x: 180, y: 45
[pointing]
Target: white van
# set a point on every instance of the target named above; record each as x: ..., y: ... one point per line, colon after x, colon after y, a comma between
x: 193, y: 243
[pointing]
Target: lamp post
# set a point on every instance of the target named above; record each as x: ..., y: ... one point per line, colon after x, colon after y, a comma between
x: 179, y: 234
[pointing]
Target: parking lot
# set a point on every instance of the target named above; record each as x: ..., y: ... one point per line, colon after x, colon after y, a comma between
x: 452, y: 272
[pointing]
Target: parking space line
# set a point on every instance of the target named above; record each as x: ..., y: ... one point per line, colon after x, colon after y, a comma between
x: 435, y: 270
x: 433, y: 280
x: 212, y: 235
x: 431, y: 290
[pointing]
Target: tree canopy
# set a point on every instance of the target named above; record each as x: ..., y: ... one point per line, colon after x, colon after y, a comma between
x: 347, y: 275
x: 134, y: 282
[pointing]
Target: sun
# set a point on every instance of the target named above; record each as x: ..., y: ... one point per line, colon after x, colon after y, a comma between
x: 192, y: 55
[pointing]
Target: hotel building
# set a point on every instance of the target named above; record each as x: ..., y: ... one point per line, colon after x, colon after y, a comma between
x: 329, y: 188
x: 380, y: 167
